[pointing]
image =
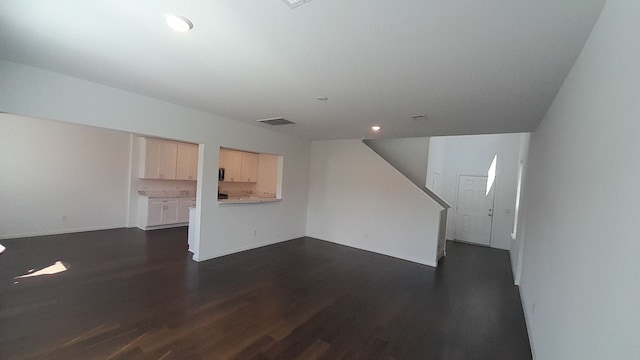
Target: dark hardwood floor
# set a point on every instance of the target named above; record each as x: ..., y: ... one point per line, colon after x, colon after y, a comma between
x: 135, y: 294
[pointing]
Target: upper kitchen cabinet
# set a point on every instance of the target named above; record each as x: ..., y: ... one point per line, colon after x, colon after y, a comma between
x: 167, y: 160
x: 187, y: 164
x: 231, y: 162
x: 249, y: 168
x: 158, y: 159
x: 239, y: 166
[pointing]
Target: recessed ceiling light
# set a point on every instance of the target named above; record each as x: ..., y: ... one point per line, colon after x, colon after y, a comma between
x: 178, y: 23
x: 295, y: 3
x: 376, y: 128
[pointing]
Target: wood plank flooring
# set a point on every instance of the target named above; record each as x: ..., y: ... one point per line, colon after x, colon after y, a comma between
x: 130, y: 294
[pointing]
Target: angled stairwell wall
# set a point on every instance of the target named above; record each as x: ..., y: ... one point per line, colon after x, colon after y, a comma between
x: 358, y: 199
x: 410, y: 157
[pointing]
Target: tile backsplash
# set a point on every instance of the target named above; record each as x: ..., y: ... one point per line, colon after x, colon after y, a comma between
x: 236, y: 188
x: 242, y: 189
x: 266, y: 194
x: 166, y: 185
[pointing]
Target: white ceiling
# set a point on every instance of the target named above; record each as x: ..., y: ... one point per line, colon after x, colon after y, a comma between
x: 470, y: 66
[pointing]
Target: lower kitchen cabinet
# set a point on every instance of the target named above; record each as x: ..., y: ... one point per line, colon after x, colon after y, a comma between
x: 154, y: 215
x: 183, y: 209
x: 163, y: 212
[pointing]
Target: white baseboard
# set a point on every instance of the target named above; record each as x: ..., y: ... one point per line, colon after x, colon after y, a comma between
x: 386, y: 253
x: 201, y: 257
x: 167, y: 226
x: 255, y: 246
x: 62, y: 231
x: 527, y: 323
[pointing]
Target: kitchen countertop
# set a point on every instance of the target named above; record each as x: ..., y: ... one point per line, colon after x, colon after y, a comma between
x: 235, y: 200
x: 167, y: 194
x: 169, y: 197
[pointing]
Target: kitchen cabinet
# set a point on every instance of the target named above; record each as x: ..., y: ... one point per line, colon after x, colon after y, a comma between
x: 167, y: 160
x: 157, y: 159
x: 154, y: 214
x: 183, y: 209
x: 249, y: 167
x: 232, y: 164
x: 149, y: 166
x: 187, y: 162
x: 268, y: 170
x: 170, y: 212
x: 162, y: 212
x: 239, y: 166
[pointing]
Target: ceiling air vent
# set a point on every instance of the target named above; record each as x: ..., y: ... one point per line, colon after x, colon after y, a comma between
x: 295, y: 3
x: 276, y: 121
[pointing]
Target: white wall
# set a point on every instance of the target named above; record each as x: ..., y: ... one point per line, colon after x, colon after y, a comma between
x: 408, y: 155
x: 358, y: 199
x: 472, y: 155
x: 39, y: 93
x: 582, y: 250
x: 517, y: 244
x: 435, y: 164
x: 57, y: 177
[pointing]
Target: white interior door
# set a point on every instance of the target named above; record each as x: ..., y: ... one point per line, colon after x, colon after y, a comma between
x: 474, y: 210
x: 436, y: 185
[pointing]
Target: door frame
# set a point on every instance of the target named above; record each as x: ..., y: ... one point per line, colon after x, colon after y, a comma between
x: 455, y: 207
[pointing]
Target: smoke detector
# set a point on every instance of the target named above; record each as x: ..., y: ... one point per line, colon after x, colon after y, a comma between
x: 276, y: 121
x: 295, y: 3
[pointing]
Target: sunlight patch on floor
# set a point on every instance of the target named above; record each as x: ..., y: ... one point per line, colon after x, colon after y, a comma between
x: 56, y: 268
